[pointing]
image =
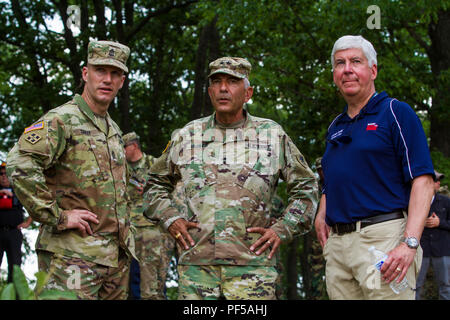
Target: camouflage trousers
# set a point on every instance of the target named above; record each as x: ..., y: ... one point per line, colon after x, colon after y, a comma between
x: 231, y: 282
x: 154, y: 249
x: 317, y: 264
x: 90, y: 281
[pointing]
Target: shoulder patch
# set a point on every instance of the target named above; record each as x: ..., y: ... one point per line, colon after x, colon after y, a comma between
x: 37, y: 126
x: 33, y: 138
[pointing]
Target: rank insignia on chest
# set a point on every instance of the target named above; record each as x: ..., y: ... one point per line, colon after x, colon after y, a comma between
x: 33, y: 138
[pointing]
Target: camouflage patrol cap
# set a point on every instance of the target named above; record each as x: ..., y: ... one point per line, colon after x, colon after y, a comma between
x: 318, y: 163
x: 108, y: 53
x: 130, y: 137
x: 237, y: 67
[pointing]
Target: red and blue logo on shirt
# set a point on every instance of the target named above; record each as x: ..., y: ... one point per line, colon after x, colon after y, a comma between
x: 371, y: 126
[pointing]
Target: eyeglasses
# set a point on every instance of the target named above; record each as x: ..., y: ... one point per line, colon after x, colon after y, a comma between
x: 2, y: 173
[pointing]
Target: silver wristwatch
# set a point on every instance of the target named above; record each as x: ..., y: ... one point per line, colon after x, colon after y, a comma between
x: 411, y: 242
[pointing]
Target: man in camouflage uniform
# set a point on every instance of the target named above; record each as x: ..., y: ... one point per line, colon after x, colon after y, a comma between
x: 315, y: 257
x: 154, y: 247
x: 277, y: 211
x: 69, y: 171
x: 230, y: 164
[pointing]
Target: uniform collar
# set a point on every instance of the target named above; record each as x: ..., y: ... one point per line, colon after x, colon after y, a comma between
x: 138, y: 163
x: 372, y: 107
x: 90, y: 114
x: 211, y: 123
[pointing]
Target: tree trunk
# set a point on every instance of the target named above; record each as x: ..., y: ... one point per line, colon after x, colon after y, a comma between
x: 439, y: 54
x: 291, y: 271
x: 208, y: 50
x: 306, y: 267
x: 124, y: 106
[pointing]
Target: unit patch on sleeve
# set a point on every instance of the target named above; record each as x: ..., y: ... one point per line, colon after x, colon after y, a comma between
x: 33, y: 138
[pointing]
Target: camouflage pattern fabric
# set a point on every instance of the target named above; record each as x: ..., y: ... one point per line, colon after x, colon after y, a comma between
x: 63, y: 162
x: 154, y: 246
x: 230, y: 282
x: 237, y: 67
x: 444, y: 190
x: 108, y: 53
x: 138, y: 174
x: 317, y: 264
x: 229, y: 177
x: 277, y: 211
x: 315, y: 256
x: 85, y: 278
x: 277, y: 207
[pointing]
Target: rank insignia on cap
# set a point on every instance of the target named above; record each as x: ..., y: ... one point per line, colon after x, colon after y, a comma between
x: 36, y: 126
x: 111, y: 53
x: 33, y: 138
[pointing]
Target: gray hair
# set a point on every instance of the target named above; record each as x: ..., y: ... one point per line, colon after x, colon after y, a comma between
x: 350, y: 42
x: 246, y: 82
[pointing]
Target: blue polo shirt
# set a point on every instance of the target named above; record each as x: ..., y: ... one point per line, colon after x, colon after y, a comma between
x: 370, y: 160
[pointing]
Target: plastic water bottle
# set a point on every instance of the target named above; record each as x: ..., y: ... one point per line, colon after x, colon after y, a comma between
x: 379, y: 258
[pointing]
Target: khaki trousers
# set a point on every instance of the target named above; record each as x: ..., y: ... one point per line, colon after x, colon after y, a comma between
x: 350, y: 272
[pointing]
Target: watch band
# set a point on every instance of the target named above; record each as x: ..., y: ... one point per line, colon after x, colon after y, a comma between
x: 411, y: 242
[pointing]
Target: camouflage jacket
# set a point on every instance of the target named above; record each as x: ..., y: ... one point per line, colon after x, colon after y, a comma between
x: 138, y: 175
x: 64, y: 161
x: 229, y: 177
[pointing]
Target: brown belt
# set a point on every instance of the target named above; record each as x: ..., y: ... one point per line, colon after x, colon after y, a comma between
x: 343, y: 228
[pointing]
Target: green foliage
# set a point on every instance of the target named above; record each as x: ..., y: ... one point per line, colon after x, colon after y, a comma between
x: 21, y: 285
x: 442, y: 165
x: 8, y: 292
x: 21, y: 290
x: 172, y: 293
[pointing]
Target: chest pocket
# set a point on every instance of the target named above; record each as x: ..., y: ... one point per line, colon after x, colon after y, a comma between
x: 98, y: 148
x: 116, y: 152
x: 194, y: 178
x: 87, y: 153
x: 258, y: 183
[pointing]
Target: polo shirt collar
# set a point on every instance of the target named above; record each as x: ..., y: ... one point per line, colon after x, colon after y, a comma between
x: 370, y: 108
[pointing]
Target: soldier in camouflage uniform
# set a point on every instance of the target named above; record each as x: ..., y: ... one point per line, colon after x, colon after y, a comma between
x: 315, y: 257
x: 277, y: 211
x: 69, y: 171
x: 230, y: 164
x: 154, y: 247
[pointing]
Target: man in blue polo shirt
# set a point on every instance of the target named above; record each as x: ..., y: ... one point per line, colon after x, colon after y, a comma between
x: 378, y: 171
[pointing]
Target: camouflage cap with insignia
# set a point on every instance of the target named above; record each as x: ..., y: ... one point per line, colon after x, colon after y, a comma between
x: 130, y: 137
x: 237, y: 67
x: 108, y: 53
x: 318, y: 163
